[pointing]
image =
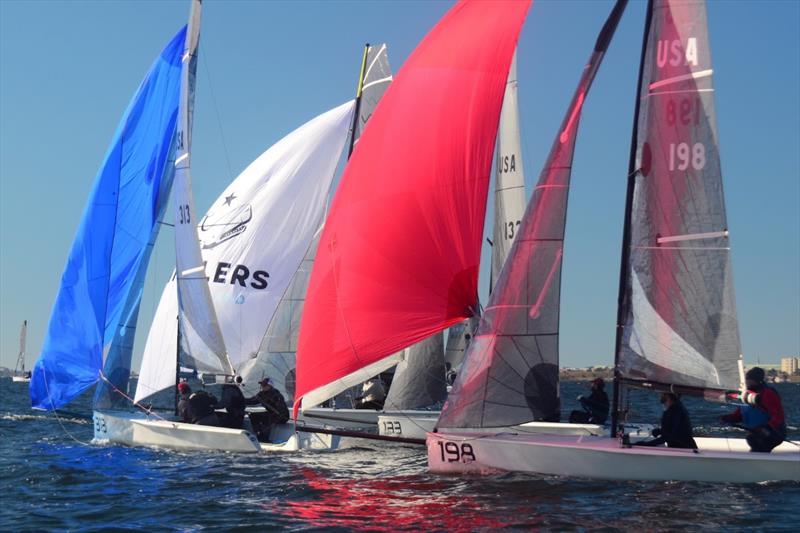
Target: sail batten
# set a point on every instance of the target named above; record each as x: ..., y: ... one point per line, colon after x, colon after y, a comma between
x: 510, y: 370
x: 426, y: 153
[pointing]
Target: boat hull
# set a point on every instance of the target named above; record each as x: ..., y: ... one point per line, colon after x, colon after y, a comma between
x: 20, y: 379
x: 716, y: 460
x: 366, y: 419
x: 137, y: 429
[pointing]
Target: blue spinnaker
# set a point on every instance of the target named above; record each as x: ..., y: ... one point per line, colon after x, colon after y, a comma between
x: 111, y: 246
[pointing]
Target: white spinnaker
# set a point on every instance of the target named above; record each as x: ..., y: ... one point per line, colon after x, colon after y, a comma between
x: 257, y: 232
x: 509, y: 192
x: 195, y: 305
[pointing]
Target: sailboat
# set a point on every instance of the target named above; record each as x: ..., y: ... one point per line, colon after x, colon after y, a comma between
x: 95, y: 312
x: 677, y: 328
x: 428, y: 160
x: 256, y: 284
x: 20, y: 375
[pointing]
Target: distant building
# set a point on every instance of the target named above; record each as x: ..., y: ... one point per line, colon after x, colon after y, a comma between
x: 790, y: 365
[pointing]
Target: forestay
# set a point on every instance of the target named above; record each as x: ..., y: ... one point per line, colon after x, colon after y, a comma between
x: 509, y: 191
x: 102, y: 277
x: 510, y: 371
x: 426, y: 156
x: 254, y: 238
x: 679, y: 316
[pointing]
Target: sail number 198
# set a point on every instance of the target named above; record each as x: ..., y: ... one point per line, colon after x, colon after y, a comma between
x: 453, y: 452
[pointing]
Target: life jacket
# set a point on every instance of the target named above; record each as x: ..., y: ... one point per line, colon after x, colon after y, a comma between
x: 753, y: 416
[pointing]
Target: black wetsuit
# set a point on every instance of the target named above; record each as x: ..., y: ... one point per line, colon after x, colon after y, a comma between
x: 234, y: 404
x: 676, y: 428
x: 597, y: 405
x: 183, y: 409
x: 276, y: 412
x: 201, y: 409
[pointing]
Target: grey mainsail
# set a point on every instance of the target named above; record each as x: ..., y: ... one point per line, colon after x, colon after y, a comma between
x: 458, y: 339
x: 677, y: 310
x: 510, y: 371
x: 509, y: 192
x: 276, y: 356
x: 419, y: 379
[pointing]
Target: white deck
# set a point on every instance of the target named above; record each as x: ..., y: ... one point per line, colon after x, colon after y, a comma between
x: 716, y: 460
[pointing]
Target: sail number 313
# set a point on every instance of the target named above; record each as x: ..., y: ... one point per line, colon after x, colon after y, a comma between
x: 453, y: 452
x: 183, y: 214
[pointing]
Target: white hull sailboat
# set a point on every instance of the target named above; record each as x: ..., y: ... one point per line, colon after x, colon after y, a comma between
x: 139, y: 429
x: 715, y: 460
x: 20, y: 374
x: 675, y: 257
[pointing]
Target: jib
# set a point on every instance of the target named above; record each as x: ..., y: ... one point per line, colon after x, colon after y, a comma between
x: 240, y: 275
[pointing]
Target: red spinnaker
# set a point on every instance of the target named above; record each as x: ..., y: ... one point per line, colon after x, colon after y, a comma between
x: 399, y: 256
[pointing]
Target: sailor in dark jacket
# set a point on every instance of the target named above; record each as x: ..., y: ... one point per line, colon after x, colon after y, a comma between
x: 275, y: 412
x: 676, y: 427
x: 762, y: 415
x: 202, y: 405
x: 595, y: 406
x: 234, y: 404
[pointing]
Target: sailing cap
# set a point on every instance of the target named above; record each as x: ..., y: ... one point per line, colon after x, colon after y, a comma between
x: 184, y: 387
x: 756, y: 374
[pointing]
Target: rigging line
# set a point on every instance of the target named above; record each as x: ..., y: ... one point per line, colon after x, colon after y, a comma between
x: 133, y: 402
x: 55, y: 411
x: 219, y: 120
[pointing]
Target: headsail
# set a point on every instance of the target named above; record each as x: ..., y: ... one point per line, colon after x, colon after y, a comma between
x: 510, y: 372
x: 276, y: 357
x: 426, y: 155
x: 198, y: 318
x: 509, y: 190
x: 677, y: 303
x: 419, y: 380
x: 111, y: 244
x: 255, y: 236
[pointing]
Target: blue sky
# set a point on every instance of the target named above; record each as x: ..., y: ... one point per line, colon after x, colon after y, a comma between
x: 68, y: 69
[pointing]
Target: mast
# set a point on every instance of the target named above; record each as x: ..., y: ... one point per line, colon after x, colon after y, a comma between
x: 359, y: 89
x: 624, y: 271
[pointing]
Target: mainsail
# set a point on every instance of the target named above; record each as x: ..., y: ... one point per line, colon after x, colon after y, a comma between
x: 23, y: 335
x: 112, y: 242
x: 425, y: 159
x: 509, y: 191
x: 198, y: 318
x: 510, y: 371
x: 254, y: 238
x: 276, y: 357
x: 677, y: 310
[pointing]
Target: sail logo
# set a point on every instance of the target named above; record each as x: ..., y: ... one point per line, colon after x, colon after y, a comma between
x: 506, y: 164
x: 218, y: 228
x: 675, y: 53
x: 240, y: 275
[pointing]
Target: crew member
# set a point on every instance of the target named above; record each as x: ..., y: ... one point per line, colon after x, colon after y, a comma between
x: 762, y: 415
x: 676, y: 427
x: 373, y: 394
x: 202, y: 405
x: 183, y: 402
x: 595, y: 406
x: 275, y: 412
x: 234, y: 404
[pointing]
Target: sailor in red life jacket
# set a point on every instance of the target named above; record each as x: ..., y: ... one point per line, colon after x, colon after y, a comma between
x: 762, y: 415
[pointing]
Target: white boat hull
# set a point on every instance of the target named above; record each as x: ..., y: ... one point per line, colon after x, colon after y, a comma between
x: 137, y: 429
x: 365, y: 419
x: 20, y: 379
x: 716, y: 460
x: 416, y: 424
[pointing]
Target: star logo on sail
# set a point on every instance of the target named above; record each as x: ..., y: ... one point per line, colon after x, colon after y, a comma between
x: 226, y: 222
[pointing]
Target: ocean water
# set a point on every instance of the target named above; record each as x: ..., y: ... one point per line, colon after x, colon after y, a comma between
x: 52, y: 479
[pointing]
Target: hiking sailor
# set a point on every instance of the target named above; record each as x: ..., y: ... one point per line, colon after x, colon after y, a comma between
x: 595, y: 406
x: 761, y: 415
